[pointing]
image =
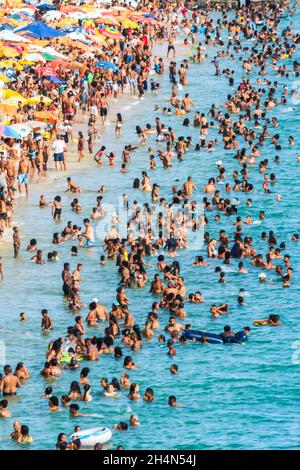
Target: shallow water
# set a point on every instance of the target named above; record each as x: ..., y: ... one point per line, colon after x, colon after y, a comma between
x: 234, y: 396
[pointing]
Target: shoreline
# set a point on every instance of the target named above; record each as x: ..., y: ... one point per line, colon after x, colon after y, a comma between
x: 122, y: 104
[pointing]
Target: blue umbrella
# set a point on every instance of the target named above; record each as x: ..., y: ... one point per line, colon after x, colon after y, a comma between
x: 149, y: 15
x: 46, y: 6
x: 8, y: 131
x: 40, y: 30
x: 107, y: 65
x: 53, y: 79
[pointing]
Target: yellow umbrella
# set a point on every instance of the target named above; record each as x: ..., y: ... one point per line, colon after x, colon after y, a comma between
x: 8, y: 52
x: 11, y: 102
x: 66, y: 21
x: 12, y: 93
x: 4, y: 78
x: 37, y: 99
x: 12, y: 98
x: 7, y: 109
x: 10, y: 64
x: 127, y: 23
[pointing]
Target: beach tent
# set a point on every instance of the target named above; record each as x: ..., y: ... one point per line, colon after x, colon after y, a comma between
x: 40, y: 30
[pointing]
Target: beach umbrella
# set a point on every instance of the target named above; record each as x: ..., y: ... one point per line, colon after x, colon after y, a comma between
x: 127, y: 23
x: 47, y: 70
x: 54, y: 79
x: 71, y: 8
x: 77, y: 15
x: 29, y: 11
x: 6, y: 94
x: 4, y: 78
x: 149, y: 15
x: 45, y: 116
x: 7, y: 109
x: 111, y: 33
x: 49, y: 52
x: 34, y: 57
x: 143, y: 19
x: 9, y: 36
x: 110, y: 20
x: 107, y: 65
x: 8, y: 52
x: 46, y: 6
x: 36, y: 124
x: 22, y: 129
x: 11, y: 67
x: 37, y: 99
x: 9, y: 132
x: 52, y: 15
x: 67, y: 65
x: 40, y: 30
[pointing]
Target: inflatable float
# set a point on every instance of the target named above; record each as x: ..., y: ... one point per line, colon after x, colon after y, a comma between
x: 273, y: 320
x: 239, y: 337
x: 260, y: 322
x: 90, y: 437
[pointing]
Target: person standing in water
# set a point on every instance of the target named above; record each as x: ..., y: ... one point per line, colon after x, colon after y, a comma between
x: 88, y: 234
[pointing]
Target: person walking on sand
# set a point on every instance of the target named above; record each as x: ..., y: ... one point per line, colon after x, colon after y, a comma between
x: 59, y: 148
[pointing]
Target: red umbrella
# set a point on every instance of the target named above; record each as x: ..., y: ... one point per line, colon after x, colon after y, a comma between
x: 48, y: 70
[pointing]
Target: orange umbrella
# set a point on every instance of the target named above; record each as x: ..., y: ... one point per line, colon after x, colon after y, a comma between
x: 45, y: 116
x: 71, y: 8
x: 66, y: 65
x: 7, y: 109
x: 106, y: 20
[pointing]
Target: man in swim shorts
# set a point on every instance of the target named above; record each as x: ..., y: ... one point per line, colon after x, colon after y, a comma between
x: 103, y: 108
x: 88, y: 234
x: 23, y: 172
x: 59, y: 147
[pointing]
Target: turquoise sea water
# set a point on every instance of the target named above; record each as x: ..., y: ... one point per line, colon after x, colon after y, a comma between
x: 234, y: 396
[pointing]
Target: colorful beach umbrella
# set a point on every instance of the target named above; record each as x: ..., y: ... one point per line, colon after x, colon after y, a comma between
x: 9, y: 132
x: 22, y: 129
x: 45, y: 116
x: 34, y: 57
x: 111, y: 33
